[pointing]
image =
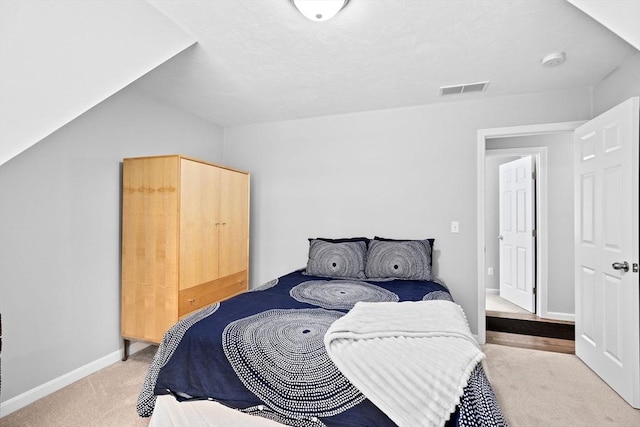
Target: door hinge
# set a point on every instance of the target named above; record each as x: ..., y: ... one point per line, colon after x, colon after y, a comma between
x: 534, y: 233
x: 535, y: 290
x: 533, y: 175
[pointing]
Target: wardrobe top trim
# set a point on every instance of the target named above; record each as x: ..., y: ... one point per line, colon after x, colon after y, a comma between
x: 193, y: 159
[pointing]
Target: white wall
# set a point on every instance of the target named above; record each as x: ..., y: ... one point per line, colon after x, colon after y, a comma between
x: 560, y: 298
x: 618, y: 86
x: 60, y: 228
x: 403, y: 173
x: 60, y: 58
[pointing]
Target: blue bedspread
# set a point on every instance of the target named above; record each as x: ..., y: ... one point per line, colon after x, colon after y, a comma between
x: 262, y: 352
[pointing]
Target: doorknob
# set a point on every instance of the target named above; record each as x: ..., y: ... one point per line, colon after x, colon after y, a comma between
x: 624, y: 266
x: 500, y: 237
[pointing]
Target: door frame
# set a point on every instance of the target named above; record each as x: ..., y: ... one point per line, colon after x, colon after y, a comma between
x: 482, y: 136
x: 539, y: 155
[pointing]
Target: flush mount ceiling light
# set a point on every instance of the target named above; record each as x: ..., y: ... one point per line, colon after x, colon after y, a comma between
x: 319, y: 10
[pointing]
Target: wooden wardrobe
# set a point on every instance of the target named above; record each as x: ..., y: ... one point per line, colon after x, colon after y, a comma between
x: 185, y: 241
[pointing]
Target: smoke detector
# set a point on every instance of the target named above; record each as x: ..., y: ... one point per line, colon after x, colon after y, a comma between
x: 553, y: 59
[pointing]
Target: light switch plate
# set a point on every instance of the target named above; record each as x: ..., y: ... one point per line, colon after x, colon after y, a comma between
x: 455, y: 227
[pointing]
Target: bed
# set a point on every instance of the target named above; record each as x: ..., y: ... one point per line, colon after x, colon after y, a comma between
x: 364, y: 335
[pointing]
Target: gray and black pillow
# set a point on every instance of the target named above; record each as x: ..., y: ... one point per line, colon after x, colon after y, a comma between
x: 337, y: 258
x: 399, y: 259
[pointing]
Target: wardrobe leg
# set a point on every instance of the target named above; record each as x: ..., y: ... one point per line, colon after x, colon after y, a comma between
x: 125, y: 349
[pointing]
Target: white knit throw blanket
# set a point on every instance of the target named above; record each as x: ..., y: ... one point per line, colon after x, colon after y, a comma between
x: 411, y: 359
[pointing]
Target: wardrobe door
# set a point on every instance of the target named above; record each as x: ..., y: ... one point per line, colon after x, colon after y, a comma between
x: 199, y: 223
x: 234, y: 229
x: 149, y: 246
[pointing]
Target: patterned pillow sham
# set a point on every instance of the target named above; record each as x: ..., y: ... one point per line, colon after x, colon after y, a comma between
x: 337, y: 259
x: 399, y: 259
x: 431, y: 242
x: 343, y: 239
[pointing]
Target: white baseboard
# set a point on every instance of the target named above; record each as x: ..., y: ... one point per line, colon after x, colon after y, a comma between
x: 492, y: 291
x: 30, y: 396
x: 571, y: 317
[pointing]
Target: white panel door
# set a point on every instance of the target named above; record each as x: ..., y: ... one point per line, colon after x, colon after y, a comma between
x: 517, y: 243
x: 606, y: 221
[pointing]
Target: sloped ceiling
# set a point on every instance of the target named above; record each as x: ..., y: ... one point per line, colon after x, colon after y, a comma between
x: 261, y: 60
x: 60, y: 58
x: 621, y: 17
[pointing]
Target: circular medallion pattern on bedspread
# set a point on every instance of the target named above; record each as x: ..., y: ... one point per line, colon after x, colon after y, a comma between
x: 340, y: 294
x: 437, y: 295
x: 279, y: 355
x: 264, y: 412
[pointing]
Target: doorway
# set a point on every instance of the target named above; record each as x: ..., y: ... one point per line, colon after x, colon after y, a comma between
x: 495, y: 139
x: 512, y: 278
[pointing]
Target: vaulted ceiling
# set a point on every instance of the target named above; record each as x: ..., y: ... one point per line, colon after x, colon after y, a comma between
x: 261, y: 60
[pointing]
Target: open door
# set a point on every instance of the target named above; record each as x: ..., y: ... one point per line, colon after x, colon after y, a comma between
x: 517, y: 240
x: 606, y: 248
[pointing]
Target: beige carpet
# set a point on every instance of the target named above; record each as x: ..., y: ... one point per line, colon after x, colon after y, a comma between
x: 539, y: 388
x: 534, y: 388
x: 495, y: 303
x: 106, y: 398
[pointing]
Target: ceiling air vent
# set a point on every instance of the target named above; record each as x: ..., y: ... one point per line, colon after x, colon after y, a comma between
x: 464, y: 88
